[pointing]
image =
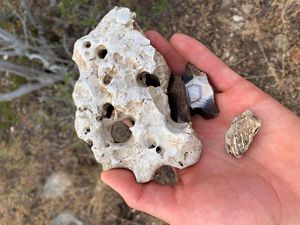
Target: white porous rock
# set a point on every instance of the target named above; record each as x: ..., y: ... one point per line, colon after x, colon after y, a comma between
x: 122, y: 103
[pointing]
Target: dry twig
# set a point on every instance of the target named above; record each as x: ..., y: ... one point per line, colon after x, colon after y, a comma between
x: 34, y: 48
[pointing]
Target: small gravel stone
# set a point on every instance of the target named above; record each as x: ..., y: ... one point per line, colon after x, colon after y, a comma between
x: 66, y: 218
x: 56, y: 185
x: 241, y: 133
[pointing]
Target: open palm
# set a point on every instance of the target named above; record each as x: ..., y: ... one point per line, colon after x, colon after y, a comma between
x: 261, y: 188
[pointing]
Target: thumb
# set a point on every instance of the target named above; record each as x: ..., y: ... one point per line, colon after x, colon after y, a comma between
x: 153, y: 198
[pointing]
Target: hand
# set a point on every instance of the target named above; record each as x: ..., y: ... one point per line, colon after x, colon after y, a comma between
x: 261, y: 188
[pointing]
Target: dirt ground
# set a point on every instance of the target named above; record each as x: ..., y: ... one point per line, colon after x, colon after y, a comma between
x: 258, y: 39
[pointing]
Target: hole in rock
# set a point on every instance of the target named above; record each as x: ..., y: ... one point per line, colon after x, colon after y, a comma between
x: 87, y: 130
x: 107, y: 79
x: 87, y: 44
x: 158, y: 149
x: 90, y: 143
x: 132, y: 122
x: 102, y: 53
x: 108, y: 110
x: 147, y: 79
x: 120, y: 132
x: 150, y: 142
x: 151, y: 146
x: 87, y: 54
x: 180, y: 163
x: 185, y: 155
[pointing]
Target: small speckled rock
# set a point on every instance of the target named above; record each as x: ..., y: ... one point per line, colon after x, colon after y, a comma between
x: 56, y: 185
x: 241, y: 133
x: 66, y: 218
x: 122, y: 103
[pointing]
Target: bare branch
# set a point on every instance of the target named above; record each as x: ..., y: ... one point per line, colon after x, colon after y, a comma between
x: 43, y: 79
x: 29, y: 73
x: 18, y: 70
x: 9, y: 53
x: 34, y: 47
x: 14, y: 43
x: 24, y: 89
x: 8, y: 37
x: 20, y: 47
x: 27, y: 9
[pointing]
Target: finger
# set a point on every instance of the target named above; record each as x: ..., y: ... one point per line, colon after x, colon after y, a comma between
x: 219, y: 73
x: 174, y: 60
x: 214, y: 131
x: 153, y: 198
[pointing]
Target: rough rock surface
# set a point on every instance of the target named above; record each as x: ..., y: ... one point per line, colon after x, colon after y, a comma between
x: 122, y: 102
x: 241, y: 133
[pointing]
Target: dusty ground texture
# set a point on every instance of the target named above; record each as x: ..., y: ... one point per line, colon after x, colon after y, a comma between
x: 258, y: 39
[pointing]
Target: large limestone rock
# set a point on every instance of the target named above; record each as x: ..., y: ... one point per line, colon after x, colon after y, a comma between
x: 122, y: 103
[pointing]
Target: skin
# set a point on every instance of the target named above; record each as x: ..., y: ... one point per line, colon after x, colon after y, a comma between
x: 263, y: 187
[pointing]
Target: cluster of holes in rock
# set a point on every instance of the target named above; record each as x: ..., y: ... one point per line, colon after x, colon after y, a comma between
x: 146, y: 79
x: 101, y: 50
x: 120, y: 130
x: 158, y: 149
x: 101, y: 53
x: 87, y: 130
x: 83, y: 108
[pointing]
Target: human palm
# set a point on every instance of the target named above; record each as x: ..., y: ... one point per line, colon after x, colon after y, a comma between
x: 261, y: 188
